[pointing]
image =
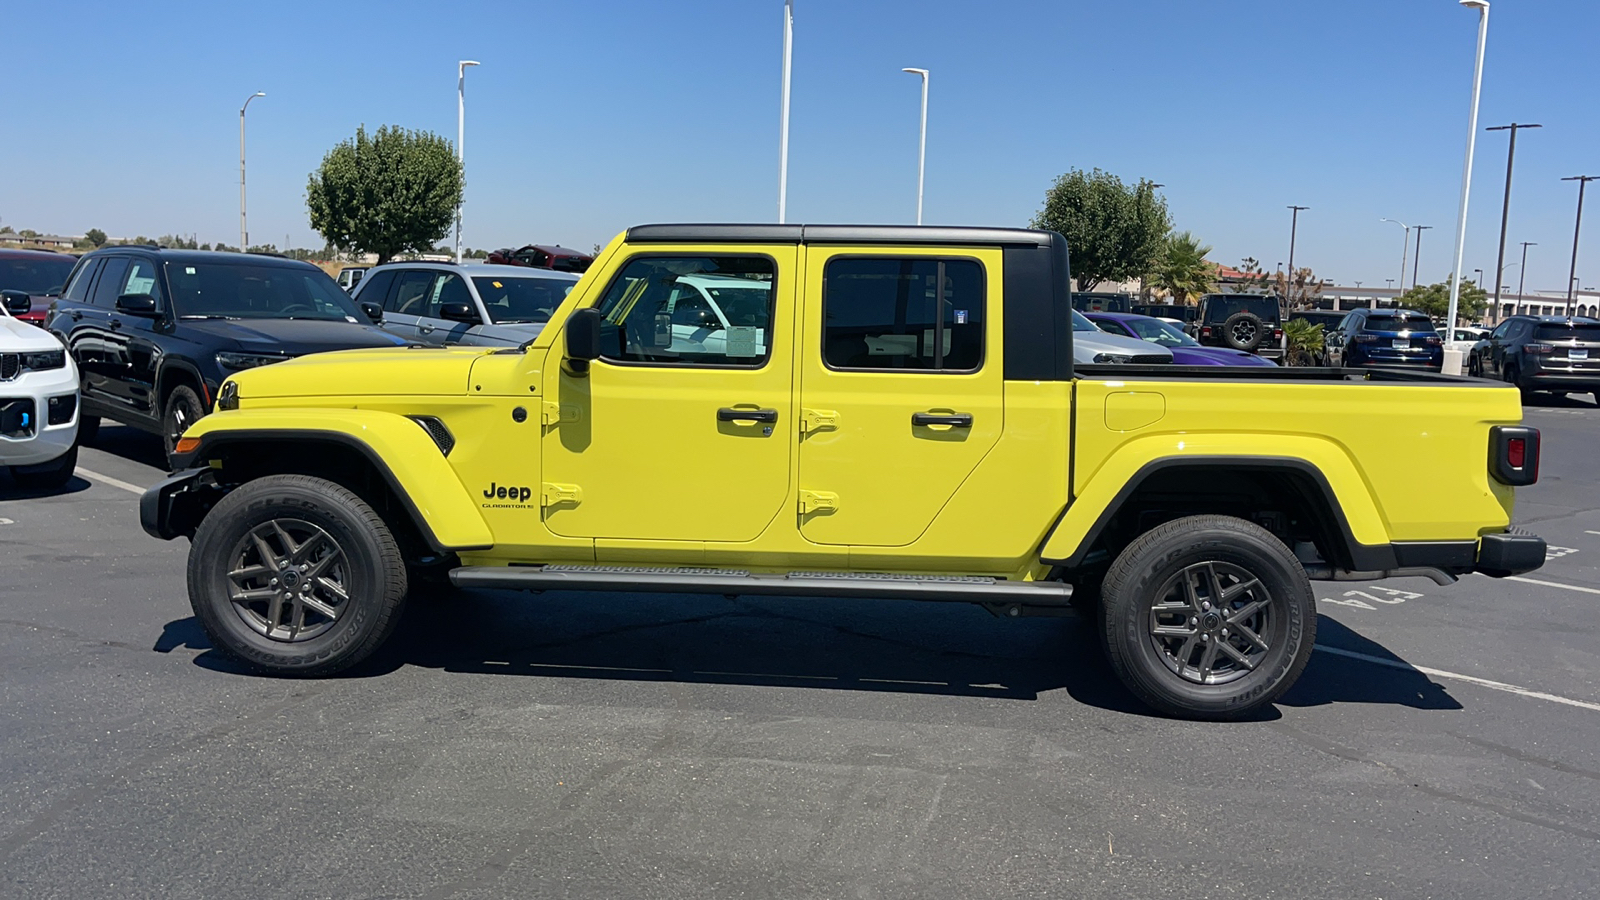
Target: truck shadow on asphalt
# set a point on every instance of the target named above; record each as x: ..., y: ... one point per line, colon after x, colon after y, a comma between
x: 913, y: 648
x: 131, y: 444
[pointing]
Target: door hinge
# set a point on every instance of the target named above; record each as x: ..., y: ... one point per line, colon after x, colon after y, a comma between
x: 552, y: 494
x: 812, y: 420
x: 553, y: 413
x: 816, y: 501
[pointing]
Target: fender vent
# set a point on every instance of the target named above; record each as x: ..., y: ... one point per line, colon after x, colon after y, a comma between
x: 436, y: 430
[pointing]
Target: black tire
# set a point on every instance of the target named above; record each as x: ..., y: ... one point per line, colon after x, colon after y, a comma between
x: 239, y: 606
x: 1244, y: 330
x: 88, y: 429
x: 1157, y: 647
x: 47, y: 476
x: 182, y: 409
x: 1509, y: 375
x: 1474, y: 368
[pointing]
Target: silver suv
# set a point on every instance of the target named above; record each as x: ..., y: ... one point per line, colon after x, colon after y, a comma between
x: 443, y: 303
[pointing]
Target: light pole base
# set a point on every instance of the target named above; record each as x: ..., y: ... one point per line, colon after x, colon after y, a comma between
x: 1453, y: 357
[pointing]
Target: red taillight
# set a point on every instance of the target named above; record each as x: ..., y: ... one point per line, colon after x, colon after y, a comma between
x: 1517, y: 452
x: 1277, y: 333
x: 1538, y: 348
x: 1433, y: 342
x: 1205, y: 331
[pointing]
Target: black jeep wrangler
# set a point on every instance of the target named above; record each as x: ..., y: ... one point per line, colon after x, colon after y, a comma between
x: 1250, y: 322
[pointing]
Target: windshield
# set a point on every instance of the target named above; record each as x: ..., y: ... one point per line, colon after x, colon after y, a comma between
x: 244, y: 291
x: 1080, y: 322
x: 1158, y: 332
x: 1560, y: 331
x: 35, y: 276
x: 1399, y: 322
x: 510, y: 299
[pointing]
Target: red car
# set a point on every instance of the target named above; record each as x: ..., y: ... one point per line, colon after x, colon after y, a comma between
x: 37, y: 273
x: 543, y: 256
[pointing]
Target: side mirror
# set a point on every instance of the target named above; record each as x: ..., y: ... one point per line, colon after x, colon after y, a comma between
x: 583, y: 339
x: 373, y: 311
x: 459, y: 312
x: 137, y: 305
x: 17, y: 302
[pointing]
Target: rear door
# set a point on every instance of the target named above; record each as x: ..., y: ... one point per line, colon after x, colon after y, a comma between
x: 130, y: 342
x: 91, y: 340
x: 900, y: 387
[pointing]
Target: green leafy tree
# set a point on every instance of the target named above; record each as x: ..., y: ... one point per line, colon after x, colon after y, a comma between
x: 1114, y: 232
x: 1182, y: 272
x: 95, y: 236
x: 1305, y: 342
x: 386, y: 193
x: 1434, y: 299
x: 28, y: 233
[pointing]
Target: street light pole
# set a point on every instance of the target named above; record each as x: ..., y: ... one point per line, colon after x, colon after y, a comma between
x: 1294, y: 224
x: 1416, y: 258
x: 783, y: 115
x: 1522, y: 276
x: 1482, y: 6
x: 461, y: 140
x: 244, y: 233
x: 1505, y: 209
x: 1583, y: 181
x: 1405, y: 248
x: 922, y: 146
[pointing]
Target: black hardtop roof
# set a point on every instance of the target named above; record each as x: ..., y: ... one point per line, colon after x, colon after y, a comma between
x: 203, y: 256
x: 839, y: 234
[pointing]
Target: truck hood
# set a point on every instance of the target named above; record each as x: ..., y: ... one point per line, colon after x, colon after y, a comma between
x: 17, y: 336
x: 411, y: 371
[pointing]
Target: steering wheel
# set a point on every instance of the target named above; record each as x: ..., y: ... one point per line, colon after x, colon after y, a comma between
x: 297, y: 307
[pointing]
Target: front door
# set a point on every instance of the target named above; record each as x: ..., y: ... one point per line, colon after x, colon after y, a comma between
x: 900, y: 388
x: 406, y: 302
x: 663, y: 440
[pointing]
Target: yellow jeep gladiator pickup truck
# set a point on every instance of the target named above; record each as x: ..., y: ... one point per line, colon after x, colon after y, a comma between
x: 869, y: 411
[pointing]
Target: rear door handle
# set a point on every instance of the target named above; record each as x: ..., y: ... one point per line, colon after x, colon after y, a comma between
x: 115, y: 324
x: 76, y: 315
x: 955, y: 420
x: 729, y: 414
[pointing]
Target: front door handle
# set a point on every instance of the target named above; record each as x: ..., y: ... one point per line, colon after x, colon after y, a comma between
x: 76, y: 315
x: 115, y: 324
x: 425, y: 329
x: 729, y: 414
x: 955, y: 420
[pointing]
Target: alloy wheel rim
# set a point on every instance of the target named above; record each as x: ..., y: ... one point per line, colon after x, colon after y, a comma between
x: 288, y: 580
x: 1244, y: 332
x: 1211, y: 621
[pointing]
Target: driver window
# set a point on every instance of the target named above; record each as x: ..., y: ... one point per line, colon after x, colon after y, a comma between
x: 1501, y: 331
x: 665, y: 310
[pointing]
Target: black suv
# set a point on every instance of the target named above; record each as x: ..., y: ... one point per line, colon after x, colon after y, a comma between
x: 1250, y: 322
x: 1542, y: 353
x: 155, y: 332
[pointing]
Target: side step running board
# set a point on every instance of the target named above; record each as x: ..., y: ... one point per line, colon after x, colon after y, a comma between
x: 890, y: 586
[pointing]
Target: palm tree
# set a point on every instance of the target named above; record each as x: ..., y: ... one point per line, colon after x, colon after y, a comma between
x: 1305, y: 342
x: 1182, y: 271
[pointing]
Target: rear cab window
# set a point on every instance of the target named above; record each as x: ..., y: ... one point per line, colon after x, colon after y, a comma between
x: 918, y: 313
x: 1397, y: 322
x: 1561, y: 331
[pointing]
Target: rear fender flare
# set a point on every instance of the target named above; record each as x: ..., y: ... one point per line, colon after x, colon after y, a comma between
x: 1358, y: 521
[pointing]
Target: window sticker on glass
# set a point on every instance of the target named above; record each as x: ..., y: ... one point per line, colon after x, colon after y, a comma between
x: 138, y: 284
x: 742, y: 341
x: 961, y: 317
x: 497, y: 284
x: 188, y: 270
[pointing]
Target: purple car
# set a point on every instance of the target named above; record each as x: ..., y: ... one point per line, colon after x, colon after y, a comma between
x: 1186, y: 351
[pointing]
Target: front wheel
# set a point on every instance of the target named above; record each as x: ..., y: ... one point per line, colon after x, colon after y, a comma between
x: 182, y: 409
x: 47, y: 476
x: 1208, y: 617
x: 295, y: 575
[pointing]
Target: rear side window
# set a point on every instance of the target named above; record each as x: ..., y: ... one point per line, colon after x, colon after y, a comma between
x: 727, y: 319
x: 375, y: 287
x: 78, y: 287
x: 1563, y: 332
x: 1219, y: 308
x: 920, y: 314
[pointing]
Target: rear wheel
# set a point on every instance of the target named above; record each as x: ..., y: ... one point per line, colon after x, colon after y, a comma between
x: 295, y: 575
x: 88, y: 429
x: 1208, y: 617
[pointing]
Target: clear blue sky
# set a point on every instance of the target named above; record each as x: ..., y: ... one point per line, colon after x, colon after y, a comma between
x: 588, y: 117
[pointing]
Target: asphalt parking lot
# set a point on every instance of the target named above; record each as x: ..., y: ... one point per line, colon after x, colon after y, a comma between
x: 1444, y: 743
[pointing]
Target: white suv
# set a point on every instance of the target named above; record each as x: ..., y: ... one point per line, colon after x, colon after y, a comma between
x: 38, y: 402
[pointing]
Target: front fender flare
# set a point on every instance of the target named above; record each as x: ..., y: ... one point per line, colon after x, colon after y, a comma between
x: 398, y: 448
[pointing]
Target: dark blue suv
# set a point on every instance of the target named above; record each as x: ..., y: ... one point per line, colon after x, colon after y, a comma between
x: 155, y: 332
x: 1385, y: 337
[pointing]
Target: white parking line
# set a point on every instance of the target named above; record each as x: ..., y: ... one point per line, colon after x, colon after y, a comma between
x: 1481, y: 682
x: 107, y: 479
x: 1554, y: 584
